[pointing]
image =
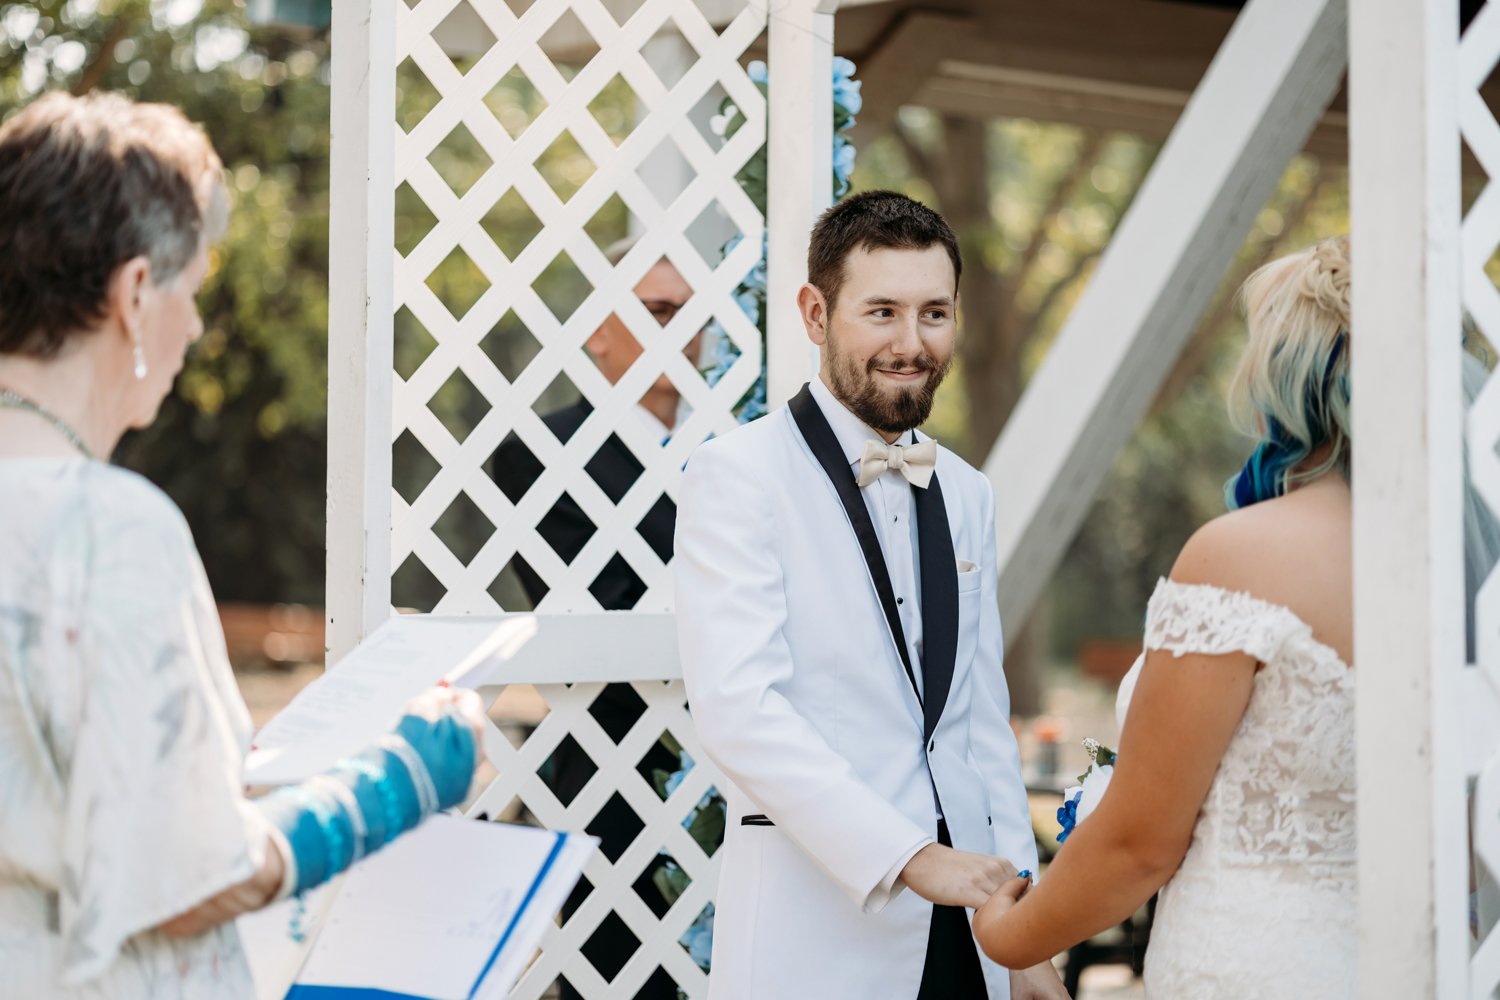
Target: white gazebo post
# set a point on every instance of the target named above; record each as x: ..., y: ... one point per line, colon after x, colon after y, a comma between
x: 800, y: 178
x: 360, y: 321
x: 1407, y: 469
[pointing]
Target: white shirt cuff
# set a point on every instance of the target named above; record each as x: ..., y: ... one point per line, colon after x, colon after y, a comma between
x: 890, y: 887
x: 288, y: 863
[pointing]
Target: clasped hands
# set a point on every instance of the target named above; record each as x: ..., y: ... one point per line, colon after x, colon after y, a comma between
x: 949, y: 877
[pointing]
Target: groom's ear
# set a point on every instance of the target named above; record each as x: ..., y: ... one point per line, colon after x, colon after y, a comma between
x: 814, y: 311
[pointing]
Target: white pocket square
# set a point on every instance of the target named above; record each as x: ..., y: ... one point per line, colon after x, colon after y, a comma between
x: 964, y: 566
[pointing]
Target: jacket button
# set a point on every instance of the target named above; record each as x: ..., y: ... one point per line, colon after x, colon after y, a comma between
x: 988, y: 821
x: 932, y: 746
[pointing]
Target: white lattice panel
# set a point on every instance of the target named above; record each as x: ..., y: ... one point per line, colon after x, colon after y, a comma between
x: 663, y: 120
x: 663, y: 832
x: 1479, y: 52
x: 512, y: 158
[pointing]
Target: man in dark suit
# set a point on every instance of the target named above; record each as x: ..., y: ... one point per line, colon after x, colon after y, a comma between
x: 614, y: 468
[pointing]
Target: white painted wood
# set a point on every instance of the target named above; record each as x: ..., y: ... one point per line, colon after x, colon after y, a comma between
x: 1407, y: 469
x: 361, y: 220
x: 611, y: 646
x: 1267, y: 86
x: 800, y: 182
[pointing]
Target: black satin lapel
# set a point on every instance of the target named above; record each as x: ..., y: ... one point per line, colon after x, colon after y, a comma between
x: 939, y: 602
x: 825, y: 448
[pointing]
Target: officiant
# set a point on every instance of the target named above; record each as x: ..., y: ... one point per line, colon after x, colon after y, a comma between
x: 566, y: 528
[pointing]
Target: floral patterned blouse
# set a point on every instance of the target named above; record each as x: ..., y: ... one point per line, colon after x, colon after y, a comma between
x: 122, y: 737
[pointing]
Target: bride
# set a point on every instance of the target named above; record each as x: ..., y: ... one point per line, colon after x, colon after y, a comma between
x: 1234, y: 789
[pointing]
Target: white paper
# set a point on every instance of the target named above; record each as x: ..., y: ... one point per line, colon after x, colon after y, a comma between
x: 361, y: 697
x: 425, y: 916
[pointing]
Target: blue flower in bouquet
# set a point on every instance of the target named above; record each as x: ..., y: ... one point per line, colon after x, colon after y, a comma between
x: 1083, y: 798
x: 1067, y: 816
x: 758, y: 72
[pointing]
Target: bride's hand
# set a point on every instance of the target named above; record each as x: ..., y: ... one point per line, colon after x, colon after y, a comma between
x: 987, y: 918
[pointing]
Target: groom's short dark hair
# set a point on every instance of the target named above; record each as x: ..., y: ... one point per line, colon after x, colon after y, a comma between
x: 873, y: 220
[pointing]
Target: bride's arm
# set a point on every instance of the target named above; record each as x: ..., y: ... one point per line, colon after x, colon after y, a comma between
x: 1181, y: 719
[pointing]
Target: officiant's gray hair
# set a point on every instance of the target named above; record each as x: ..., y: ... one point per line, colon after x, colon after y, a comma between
x: 86, y: 184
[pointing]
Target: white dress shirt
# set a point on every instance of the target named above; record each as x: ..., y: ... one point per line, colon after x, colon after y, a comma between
x: 889, y: 501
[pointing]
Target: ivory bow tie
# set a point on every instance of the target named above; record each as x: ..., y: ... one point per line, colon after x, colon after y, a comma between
x: 914, y: 461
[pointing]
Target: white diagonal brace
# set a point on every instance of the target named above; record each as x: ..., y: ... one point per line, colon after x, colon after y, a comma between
x: 1267, y: 86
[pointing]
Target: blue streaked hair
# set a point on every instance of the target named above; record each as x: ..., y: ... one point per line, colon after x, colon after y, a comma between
x: 1291, y: 390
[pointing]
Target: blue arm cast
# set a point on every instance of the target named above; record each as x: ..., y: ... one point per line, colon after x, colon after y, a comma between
x: 365, y: 802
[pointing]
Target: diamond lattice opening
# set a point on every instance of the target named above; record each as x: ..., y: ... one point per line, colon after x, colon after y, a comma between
x: 671, y: 63
x: 458, y: 405
x: 518, y: 587
x: 458, y: 283
x: 415, y: 94
x: 666, y: 172
x: 697, y: 940
x: 464, y: 22
x: 561, y: 394
x: 414, y: 220
x: 515, y: 102
x: 710, y: 231
x: 612, y: 223
x: 610, y: 946
x: 510, y: 346
x: 414, y: 588
x: 463, y: 528
x: 511, y: 224
x: 412, y: 343
x: 616, y: 826
x: 565, y: 166
x: 567, y: 770
x: 459, y: 159
x: 569, y: 44
x: 412, y: 467
x: 618, y: 587
x: 615, y: 109
x: 665, y: 764
x: 617, y: 712
x: 562, y: 287
x: 704, y: 112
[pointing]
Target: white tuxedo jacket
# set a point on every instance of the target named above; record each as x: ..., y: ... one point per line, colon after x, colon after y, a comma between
x: 800, y: 695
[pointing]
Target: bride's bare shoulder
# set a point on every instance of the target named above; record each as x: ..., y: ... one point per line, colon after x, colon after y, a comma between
x: 1256, y: 548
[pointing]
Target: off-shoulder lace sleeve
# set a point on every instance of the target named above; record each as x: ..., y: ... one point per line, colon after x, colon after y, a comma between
x: 1187, y: 618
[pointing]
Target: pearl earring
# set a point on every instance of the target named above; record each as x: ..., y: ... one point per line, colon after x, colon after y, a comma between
x: 140, y: 361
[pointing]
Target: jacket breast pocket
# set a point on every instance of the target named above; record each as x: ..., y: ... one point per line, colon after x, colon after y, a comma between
x: 968, y: 576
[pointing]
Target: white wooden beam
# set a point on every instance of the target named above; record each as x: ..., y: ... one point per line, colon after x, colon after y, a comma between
x: 1408, y: 545
x: 800, y: 178
x: 1259, y: 99
x: 361, y: 221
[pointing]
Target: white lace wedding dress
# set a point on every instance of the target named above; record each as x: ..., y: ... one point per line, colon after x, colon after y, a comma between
x: 1263, y: 907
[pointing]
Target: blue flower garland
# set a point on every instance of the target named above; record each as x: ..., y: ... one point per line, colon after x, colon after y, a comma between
x: 751, y: 293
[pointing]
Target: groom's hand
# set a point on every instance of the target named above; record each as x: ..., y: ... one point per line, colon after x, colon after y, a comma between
x: 948, y: 877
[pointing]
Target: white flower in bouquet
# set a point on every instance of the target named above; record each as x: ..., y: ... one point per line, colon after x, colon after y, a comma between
x: 1083, y: 798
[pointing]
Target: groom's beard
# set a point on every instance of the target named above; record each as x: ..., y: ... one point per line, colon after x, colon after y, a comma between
x: 891, y: 409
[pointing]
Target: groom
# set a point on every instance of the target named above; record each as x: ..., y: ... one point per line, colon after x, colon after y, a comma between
x: 840, y: 640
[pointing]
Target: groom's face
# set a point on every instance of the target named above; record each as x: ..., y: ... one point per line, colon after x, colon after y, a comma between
x: 888, y: 338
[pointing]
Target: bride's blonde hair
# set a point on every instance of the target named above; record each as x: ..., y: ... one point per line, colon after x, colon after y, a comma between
x: 1291, y: 390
